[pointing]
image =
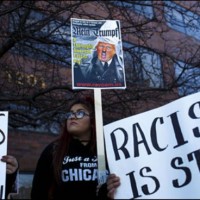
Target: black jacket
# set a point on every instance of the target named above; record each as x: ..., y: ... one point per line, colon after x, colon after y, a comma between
x: 112, y: 75
x: 79, y: 175
x: 10, y: 182
x: 92, y: 73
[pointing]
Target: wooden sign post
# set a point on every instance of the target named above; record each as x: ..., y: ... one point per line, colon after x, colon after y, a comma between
x: 100, y: 137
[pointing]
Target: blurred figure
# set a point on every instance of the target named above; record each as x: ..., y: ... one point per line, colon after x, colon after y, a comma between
x: 12, y: 167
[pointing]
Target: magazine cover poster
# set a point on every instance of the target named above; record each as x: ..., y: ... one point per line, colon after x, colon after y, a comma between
x: 97, y: 55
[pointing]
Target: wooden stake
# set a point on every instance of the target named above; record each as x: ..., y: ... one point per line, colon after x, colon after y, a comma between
x: 100, y: 137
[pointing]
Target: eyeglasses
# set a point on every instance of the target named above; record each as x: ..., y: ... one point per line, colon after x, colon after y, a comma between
x: 78, y: 115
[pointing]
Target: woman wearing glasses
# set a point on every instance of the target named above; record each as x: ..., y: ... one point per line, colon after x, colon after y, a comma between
x: 68, y: 168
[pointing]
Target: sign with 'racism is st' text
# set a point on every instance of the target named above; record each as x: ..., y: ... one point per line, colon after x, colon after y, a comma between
x: 156, y: 154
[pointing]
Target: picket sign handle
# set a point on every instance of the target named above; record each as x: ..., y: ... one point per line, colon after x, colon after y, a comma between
x: 100, y: 137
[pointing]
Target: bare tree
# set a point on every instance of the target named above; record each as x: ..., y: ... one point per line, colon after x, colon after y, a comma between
x: 161, y: 52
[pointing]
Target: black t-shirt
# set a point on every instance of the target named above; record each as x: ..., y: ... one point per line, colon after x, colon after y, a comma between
x: 79, y: 174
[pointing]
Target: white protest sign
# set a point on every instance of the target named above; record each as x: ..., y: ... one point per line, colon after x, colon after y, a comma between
x: 156, y: 154
x: 3, y: 150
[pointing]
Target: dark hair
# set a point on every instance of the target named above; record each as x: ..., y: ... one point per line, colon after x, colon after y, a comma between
x: 62, y: 143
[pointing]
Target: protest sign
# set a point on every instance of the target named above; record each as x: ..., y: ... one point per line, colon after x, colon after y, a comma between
x: 97, y: 56
x: 156, y: 154
x: 3, y: 150
x: 97, y: 63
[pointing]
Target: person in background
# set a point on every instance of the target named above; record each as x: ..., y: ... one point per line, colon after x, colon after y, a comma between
x: 67, y: 167
x: 12, y: 167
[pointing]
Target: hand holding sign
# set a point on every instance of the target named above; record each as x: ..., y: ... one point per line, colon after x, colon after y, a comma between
x: 11, y: 164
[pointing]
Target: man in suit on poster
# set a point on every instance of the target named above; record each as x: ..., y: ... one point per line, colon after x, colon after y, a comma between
x: 104, y: 66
